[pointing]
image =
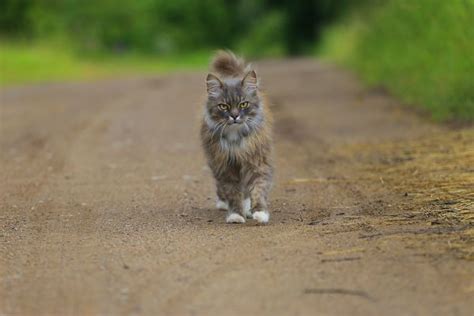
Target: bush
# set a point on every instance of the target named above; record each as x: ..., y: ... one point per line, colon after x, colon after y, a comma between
x: 266, y: 39
x: 420, y: 50
x: 163, y: 26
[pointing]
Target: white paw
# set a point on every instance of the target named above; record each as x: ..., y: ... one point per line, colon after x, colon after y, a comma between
x: 262, y: 217
x: 234, y: 218
x: 222, y: 205
x: 246, y: 208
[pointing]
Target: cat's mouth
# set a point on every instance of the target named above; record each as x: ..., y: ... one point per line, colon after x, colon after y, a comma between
x: 234, y: 122
x: 234, y: 125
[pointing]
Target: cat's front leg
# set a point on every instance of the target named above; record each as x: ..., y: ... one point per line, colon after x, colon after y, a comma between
x: 230, y: 192
x: 259, y: 189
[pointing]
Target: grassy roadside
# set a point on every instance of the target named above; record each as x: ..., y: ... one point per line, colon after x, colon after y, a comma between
x: 22, y: 63
x: 421, y: 51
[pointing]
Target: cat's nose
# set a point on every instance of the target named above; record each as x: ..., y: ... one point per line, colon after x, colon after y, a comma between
x: 235, y: 118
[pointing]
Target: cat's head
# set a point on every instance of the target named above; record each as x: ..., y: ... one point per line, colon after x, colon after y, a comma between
x: 233, y: 103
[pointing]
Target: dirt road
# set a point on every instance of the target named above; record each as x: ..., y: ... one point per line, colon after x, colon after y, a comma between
x: 107, y: 207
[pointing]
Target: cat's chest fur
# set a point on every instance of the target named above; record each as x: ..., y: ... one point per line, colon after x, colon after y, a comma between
x: 233, y: 143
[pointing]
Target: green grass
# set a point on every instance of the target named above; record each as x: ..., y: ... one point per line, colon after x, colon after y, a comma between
x: 22, y: 63
x: 421, y: 51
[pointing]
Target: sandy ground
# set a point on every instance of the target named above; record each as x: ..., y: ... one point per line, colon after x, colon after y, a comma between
x: 107, y: 207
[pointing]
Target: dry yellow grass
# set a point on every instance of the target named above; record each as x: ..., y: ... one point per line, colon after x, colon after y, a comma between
x: 435, y: 173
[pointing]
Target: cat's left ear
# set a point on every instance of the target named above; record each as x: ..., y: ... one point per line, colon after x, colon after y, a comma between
x: 250, y: 82
x: 214, y: 86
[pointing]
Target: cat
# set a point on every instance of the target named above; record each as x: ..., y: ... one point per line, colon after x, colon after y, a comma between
x: 237, y: 140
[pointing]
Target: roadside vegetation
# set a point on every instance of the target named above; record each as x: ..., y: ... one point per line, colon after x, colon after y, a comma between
x: 22, y: 63
x: 421, y: 51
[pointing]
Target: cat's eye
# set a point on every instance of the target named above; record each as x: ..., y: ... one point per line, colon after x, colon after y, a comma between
x: 244, y: 105
x: 223, y: 107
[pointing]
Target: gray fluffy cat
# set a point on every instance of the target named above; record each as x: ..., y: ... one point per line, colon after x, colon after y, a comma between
x: 236, y: 137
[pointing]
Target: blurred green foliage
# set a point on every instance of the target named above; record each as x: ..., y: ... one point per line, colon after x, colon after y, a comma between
x: 44, y: 40
x: 257, y: 27
x: 38, y: 62
x: 422, y: 51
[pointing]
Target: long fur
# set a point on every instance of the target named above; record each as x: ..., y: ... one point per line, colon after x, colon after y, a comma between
x: 226, y: 64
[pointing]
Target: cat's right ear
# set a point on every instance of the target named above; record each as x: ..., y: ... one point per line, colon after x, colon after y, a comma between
x: 214, y: 86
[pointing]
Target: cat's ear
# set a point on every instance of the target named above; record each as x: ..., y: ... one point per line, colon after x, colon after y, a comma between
x: 250, y: 82
x: 214, y: 86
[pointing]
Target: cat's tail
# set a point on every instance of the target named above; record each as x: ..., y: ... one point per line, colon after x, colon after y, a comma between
x: 226, y: 64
